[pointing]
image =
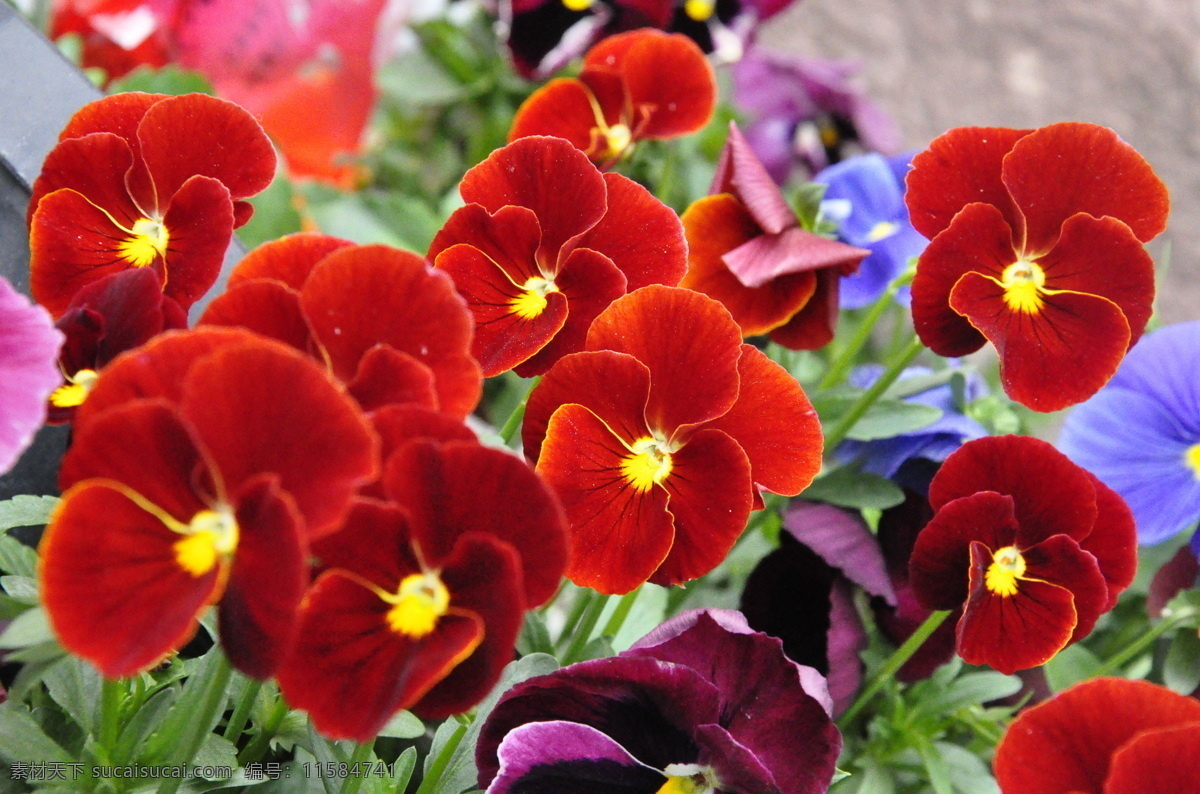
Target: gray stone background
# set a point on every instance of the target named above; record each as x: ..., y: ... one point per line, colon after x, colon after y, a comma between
x: 1132, y: 65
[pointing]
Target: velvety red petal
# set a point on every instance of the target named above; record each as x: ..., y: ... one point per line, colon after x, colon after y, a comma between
x: 119, y: 114
x: 94, y: 166
x: 666, y: 108
x: 979, y: 240
x: 614, y: 386
x: 814, y: 325
x: 115, y: 314
x: 711, y: 491
x: 1060, y: 561
x: 267, y: 579
x: 1102, y: 257
x: 1051, y: 495
x: 1066, y: 744
x: 641, y: 235
x: 484, y: 579
x: 503, y: 338
x: 619, y: 536
x: 199, y: 220
x: 351, y: 673
x: 359, y: 297
x: 265, y: 306
x: 775, y: 424
x: 202, y: 135
x: 373, y: 543
x: 289, y: 259
x: 397, y: 424
x: 1010, y: 633
x: 940, y: 563
x: 457, y: 487
x: 961, y: 167
x: 386, y: 376
x: 509, y: 238
x: 111, y: 585
x: 1051, y: 358
x: 1072, y: 167
x: 314, y: 438
x: 547, y: 175
x: 1113, y: 541
x: 716, y: 225
x: 1156, y: 761
x: 690, y: 344
x: 562, y: 108
x: 590, y: 282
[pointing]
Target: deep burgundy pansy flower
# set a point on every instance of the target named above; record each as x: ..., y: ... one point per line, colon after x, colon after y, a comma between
x: 702, y: 704
x: 1032, y: 547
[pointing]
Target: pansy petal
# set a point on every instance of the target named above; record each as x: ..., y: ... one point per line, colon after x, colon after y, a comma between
x: 1113, y: 541
x: 843, y: 541
x: 1010, y: 633
x: 561, y: 108
x: 813, y: 326
x: 1066, y: 744
x: 342, y: 628
x: 101, y: 547
x: 29, y: 351
x: 688, y: 341
x: 133, y: 309
x: 398, y: 424
x: 775, y: 424
x: 550, y: 177
x: 619, y: 534
x: 1167, y: 759
x: 288, y: 259
x: 961, y: 167
x: 1060, y: 561
x: 266, y: 307
x: 509, y: 238
x: 266, y: 581
x: 1053, y: 357
x: 741, y: 174
x: 385, y: 376
x: 1062, y: 169
x: 770, y: 256
x: 556, y: 755
x: 736, y: 766
x: 199, y: 220
x: 667, y: 108
x: 93, y: 166
x: 373, y: 542
x: 119, y: 114
x: 614, y: 386
x: 979, y: 240
x: 316, y: 440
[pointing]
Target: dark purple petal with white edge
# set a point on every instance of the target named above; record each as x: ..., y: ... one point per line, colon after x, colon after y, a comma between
x: 739, y: 172
x: 557, y: 756
x: 29, y: 345
x: 767, y: 700
x: 844, y: 541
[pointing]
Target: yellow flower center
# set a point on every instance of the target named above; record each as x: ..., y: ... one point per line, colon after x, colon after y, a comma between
x: 1007, y: 567
x: 211, y: 535
x: 578, y: 5
x: 647, y: 464
x: 1023, y: 282
x: 1192, y: 458
x: 882, y: 230
x: 679, y: 785
x: 72, y: 393
x: 416, y: 607
x: 617, y: 138
x: 699, y: 10
x: 149, y: 241
x: 532, y: 300
x: 688, y: 779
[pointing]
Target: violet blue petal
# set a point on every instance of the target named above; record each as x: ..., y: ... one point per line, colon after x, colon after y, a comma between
x: 739, y: 172
x: 29, y: 345
x: 869, y: 184
x: 844, y: 541
x: 557, y: 756
x: 769, y: 256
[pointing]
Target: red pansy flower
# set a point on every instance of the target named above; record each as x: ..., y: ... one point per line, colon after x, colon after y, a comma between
x: 202, y: 465
x: 1105, y: 736
x: 544, y: 244
x: 116, y: 35
x: 1036, y: 246
x: 144, y: 180
x: 658, y: 436
x: 107, y: 317
x: 624, y: 95
x: 423, y: 596
x: 1033, y: 547
x: 747, y: 249
x: 388, y: 327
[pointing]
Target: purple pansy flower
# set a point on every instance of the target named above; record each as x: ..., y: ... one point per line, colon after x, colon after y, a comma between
x: 723, y: 27
x: 702, y: 704
x: 1140, y: 434
x: 807, y: 111
x: 29, y: 345
x: 911, y: 458
x: 865, y: 194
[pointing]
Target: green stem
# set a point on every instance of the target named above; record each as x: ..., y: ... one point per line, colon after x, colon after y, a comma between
x: 514, y: 419
x: 848, y: 420
x: 241, y: 712
x: 111, y: 695
x: 578, y: 607
x: 362, y: 752
x: 583, y: 632
x: 894, y: 663
x: 201, y: 726
x: 1131, y: 651
x: 622, y: 610
x: 845, y: 360
x: 257, y: 747
x: 430, y: 781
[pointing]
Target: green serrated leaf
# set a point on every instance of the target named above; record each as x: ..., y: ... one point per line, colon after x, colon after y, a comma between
x: 849, y: 488
x: 22, y: 739
x: 16, y: 558
x: 216, y: 751
x: 75, y: 685
x: 30, y: 628
x: 27, y: 511
x: 405, y: 725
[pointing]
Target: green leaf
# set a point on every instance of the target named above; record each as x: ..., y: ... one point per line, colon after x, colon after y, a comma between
x: 166, y: 80
x: 807, y: 203
x: 968, y: 772
x: 216, y: 751
x: 1071, y: 665
x: 648, y: 611
x: 405, y: 725
x: 403, y: 768
x: 75, y: 685
x: 31, y: 627
x: 891, y: 418
x: 27, y: 511
x: 1181, y: 670
x: 178, y: 721
x: 24, y: 587
x: 22, y: 739
x: 274, y: 215
x: 935, y: 766
x: 416, y: 79
x: 848, y: 488
x: 138, y: 728
x: 534, y: 637
x: 972, y: 688
x: 17, y: 558
x: 35, y: 662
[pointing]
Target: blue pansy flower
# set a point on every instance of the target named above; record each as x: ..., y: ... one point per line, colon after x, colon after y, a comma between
x: 1140, y: 434
x: 865, y: 195
x: 911, y: 458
